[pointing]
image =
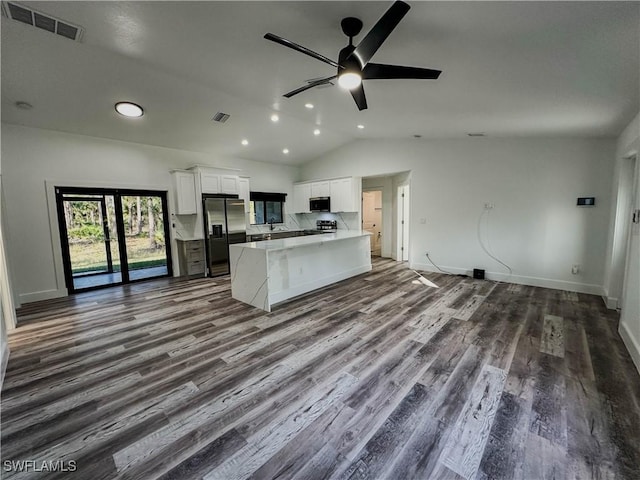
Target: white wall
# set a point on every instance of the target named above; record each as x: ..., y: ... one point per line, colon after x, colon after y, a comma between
x: 535, y: 226
x: 31, y: 157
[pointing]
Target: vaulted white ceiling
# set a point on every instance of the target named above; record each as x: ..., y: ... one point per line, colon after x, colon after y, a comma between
x: 509, y: 69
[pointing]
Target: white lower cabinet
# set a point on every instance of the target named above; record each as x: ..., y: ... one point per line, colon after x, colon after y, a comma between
x: 191, y: 257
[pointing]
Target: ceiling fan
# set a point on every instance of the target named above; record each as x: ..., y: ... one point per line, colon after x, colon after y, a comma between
x: 353, y: 61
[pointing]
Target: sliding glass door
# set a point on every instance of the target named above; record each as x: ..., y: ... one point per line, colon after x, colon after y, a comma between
x: 145, y: 236
x: 112, y: 236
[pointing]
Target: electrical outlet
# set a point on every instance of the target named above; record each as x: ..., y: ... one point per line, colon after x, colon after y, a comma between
x: 575, y: 269
x: 488, y: 206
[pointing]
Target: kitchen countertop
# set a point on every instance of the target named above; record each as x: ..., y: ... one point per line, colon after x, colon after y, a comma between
x: 293, y: 242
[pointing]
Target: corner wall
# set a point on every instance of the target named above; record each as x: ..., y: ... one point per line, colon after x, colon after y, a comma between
x: 535, y: 226
x: 32, y: 156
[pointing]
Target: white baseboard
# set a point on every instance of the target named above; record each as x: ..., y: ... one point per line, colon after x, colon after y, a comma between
x: 631, y: 343
x: 43, y: 295
x: 610, y: 302
x: 520, y: 279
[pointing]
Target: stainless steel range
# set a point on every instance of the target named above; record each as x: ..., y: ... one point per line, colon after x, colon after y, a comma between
x: 330, y: 225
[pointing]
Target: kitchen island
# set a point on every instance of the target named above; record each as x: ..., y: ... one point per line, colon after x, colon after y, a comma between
x: 272, y: 271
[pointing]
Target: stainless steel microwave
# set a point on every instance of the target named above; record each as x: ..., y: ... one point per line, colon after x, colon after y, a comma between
x: 320, y: 204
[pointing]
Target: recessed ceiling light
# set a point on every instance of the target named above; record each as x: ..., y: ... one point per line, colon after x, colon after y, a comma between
x: 316, y: 132
x: 360, y: 126
x: 285, y: 151
x: 129, y: 109
x: 24, y: 105
x: 309, y: 105
x: 245, y: 142
x: 275, y: 117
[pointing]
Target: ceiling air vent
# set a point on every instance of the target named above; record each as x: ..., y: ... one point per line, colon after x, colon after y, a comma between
x: 41, y: 20
x: 220, y: 117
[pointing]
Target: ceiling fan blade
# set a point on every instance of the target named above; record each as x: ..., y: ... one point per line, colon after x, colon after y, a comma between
x: 358, y: 95
x: 315, y: 83
x: 374, y: 71
x: 379, y: 32
x: 300, y: 48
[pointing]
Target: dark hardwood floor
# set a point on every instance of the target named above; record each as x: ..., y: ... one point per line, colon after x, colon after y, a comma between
x: 376, y: 377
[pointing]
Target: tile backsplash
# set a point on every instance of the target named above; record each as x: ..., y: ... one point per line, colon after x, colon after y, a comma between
x: 307, y: 221
x: 188, y: 227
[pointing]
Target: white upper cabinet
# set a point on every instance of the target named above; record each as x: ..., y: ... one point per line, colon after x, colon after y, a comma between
x: 344, y: 194
x: 243, y: 192
x: 320, y: 189
x: 301, y: 194
x: 210, y: 182
x: 185, y: 188
x: 229, y: 184
x: 218, y: 183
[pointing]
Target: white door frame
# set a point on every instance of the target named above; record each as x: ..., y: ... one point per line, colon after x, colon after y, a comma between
x: 402, y: 244
x: 633, y: 228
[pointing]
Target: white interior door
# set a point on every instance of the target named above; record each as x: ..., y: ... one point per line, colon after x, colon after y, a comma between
x: 630, y: 314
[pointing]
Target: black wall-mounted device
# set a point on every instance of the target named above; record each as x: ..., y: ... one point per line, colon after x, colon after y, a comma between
x: 478, y: 273
x: 586, y: 202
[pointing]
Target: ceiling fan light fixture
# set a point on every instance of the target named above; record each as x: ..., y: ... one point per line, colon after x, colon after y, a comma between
x: 349, y: 80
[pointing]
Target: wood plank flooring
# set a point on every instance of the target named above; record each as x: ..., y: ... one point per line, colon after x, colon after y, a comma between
x: 378, y: 377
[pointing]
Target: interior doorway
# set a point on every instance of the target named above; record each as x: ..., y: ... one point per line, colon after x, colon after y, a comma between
x: 112, y: 237
x: 372, y: 219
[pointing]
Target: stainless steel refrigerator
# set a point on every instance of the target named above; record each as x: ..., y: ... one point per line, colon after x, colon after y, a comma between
x: 224, y: 223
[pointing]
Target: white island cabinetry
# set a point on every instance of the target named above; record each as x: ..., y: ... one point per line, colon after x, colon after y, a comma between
x: 272, y: 271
